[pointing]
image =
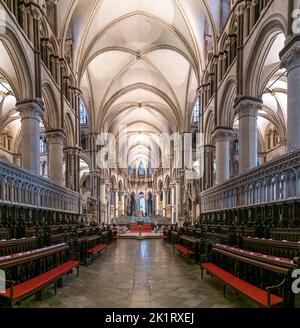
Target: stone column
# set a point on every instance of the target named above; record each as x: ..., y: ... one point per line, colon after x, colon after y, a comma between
x: 178, y: 201
x: 72, y: 161
x: 157, y: 203
x: 208, y: 166
x: 122, y: 196
x: 116, y: 203
x: 56, y: 140
x: 30, y: 112
x: 108, y: 187
x: 222, y: 137
x: 173, y: 191
x: 164, y: 202
x: 103, y: 201
x: 247, y: 108
x: 290, y: 58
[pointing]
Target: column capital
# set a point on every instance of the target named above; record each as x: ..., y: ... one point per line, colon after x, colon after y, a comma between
x: 222, y: 134
x: 56, y: 136
x: 290, y: 55
x: 247, y: 106
x: 30, y: 109
x: 72, y: 150
x: 209, y: 148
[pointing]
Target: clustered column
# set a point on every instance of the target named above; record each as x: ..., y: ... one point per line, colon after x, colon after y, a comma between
x: 173, y: 192
x: 208, y: 167
x: 157, y: 203
x: 116, y: 203
x: 178, y: 200
x: 164, y: 202
x: 103, y: 210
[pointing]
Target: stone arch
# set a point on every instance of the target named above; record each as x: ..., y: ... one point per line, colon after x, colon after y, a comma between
x: 265, y: 37
x: 69, y: 130
x: 23, y: 85
x: 226, y: 111
x: 51, y: 114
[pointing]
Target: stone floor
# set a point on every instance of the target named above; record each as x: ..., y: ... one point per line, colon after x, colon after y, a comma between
x: 139, y: 274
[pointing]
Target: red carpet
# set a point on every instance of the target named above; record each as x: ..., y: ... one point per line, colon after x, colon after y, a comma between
x: 146, y: 228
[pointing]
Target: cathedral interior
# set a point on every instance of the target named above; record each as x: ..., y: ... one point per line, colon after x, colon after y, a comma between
x: 141, y: 138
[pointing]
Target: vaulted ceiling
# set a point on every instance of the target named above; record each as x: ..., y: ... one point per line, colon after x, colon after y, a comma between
x: 139, y: 62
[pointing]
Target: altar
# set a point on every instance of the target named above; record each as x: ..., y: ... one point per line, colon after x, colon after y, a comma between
x: 141, y: 219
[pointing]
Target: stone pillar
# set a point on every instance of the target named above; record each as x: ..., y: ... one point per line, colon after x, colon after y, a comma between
x: 164, y: 202
x: 290, y: 58
x: 247, y: 108
x: 173, y: 192
x: 72, y: 161
x: 222, y: 137
x: 157, y: 198
x: 30, y: 112
x: 108, y: 187
x: 122, y: 196
x: 208, y: 167
x: 178, y: 201
x: 56, y: 140
x: 103, y: 202
x: 116, y: 203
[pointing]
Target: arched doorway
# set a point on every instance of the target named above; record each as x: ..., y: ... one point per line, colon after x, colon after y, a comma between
x: 150, y: 204
x: 142, y: 203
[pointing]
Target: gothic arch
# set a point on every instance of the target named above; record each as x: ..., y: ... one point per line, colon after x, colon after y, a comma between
x: 259, y: 52
x: 23, y: 83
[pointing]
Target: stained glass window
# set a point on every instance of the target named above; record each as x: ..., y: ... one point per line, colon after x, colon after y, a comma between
x: 196, y: 112
x: 83, y: 115
x: 141, y: 170
x: 43, y: 146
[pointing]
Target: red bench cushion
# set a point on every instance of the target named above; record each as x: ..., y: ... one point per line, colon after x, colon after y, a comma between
x: 36, y: 283
x: 97, y: 249
x: 253, y: 292
x: 183, y: 250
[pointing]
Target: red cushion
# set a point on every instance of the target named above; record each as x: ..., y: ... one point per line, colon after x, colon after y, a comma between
x: 183, y: 249
x: 244, y: 287
x: 35, y: 283
x: 97, y: 249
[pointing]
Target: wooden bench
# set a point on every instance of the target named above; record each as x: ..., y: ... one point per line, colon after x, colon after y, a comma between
x: 55, y: 262
x: 96, y: 250
x: 236, y: 271
x: 279, y: 248
x: 13, y: 246
x: 184, y: 251
x: 86, y: 246
x: 263, y: 298
x: 192, y: 244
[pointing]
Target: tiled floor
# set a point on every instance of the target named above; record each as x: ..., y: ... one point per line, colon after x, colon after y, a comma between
x: 135, y: 274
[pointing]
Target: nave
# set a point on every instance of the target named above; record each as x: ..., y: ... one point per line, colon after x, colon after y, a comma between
x: 140, y: 275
